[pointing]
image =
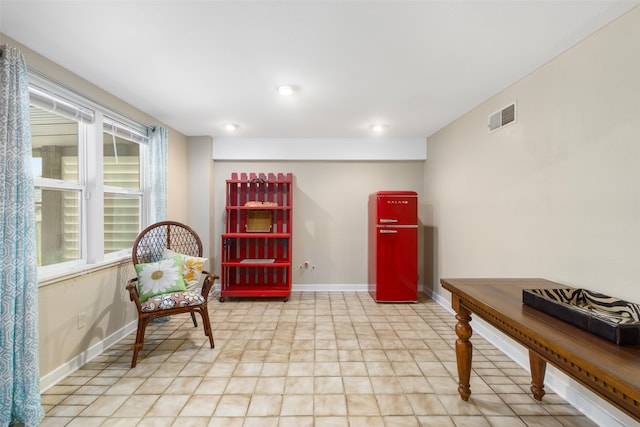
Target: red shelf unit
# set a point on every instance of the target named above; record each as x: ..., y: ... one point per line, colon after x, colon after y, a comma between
x: 257, y: 263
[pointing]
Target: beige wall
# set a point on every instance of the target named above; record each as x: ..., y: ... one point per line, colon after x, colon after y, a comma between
x: 101, y: 296
x: 201, y: 192
x: 98, y: 294
x: 177, y: 178
x: 557, y: 194
x: 330, y: 212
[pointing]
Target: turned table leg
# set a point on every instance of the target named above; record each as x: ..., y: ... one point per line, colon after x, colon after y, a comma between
x: 538, y: 369
x: 464, y: 350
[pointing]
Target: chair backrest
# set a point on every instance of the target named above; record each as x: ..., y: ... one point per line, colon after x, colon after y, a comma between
x: 150, y: 244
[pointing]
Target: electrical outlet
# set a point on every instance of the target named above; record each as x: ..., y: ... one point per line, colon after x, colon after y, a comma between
x: 82, y: 319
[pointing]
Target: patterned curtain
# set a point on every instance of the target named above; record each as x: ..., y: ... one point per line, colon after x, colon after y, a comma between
x: 19, y: 371
x: 158, y: 165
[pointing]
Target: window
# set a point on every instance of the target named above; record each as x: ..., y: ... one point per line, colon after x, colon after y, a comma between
x: 122, y: 192
x: 90, y: 199
x: 59, y: 186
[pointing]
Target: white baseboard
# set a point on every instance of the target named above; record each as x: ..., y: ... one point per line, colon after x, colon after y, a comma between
x: 329, y: 288
x: 318, y: 288
x: 53, y: 377
x: 595, y: 408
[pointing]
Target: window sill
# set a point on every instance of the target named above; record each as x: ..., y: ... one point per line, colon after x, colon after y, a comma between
x: 78, y: 271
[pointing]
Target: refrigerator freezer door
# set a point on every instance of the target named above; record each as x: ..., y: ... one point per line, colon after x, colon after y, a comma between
x: 397, y: 208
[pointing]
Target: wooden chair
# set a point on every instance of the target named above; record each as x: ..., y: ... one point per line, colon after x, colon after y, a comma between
x: 150, y: 246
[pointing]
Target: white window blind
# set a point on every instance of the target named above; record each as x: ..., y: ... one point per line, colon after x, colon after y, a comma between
x: 71, y: 207
x: 123, y: 214
x: 126, y: 131
x: 41, y: 98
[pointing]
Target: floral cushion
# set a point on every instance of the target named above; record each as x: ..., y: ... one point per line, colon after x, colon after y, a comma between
x: 191, y: 267
x: 173, y: 300
x: 160, y: 277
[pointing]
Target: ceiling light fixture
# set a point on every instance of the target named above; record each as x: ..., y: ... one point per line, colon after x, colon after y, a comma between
x: 286, y: 90
x: 230, y: 127
x: 377, y: 128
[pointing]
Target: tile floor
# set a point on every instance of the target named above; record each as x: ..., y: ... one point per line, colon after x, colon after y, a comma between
x: 320, y: 359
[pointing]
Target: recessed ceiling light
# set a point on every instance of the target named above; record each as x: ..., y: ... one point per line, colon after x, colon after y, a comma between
x: 286, y: 90
x: 230, y: 127
x: 377, y: 128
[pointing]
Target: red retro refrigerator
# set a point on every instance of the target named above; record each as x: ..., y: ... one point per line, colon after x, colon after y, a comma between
x: 393, y: 246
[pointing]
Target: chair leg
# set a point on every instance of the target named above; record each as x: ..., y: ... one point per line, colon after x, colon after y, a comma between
x: 207, y: 324
x: 142, y: 325
x: 193, y: 317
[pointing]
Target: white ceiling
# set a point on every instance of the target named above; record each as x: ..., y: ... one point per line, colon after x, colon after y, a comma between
x: 413, y: 65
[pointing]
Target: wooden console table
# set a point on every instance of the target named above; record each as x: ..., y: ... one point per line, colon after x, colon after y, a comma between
x: 611, y: 371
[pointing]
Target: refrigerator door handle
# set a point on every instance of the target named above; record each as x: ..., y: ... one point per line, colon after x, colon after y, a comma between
x: 388, y: 221
x: 388, y: 231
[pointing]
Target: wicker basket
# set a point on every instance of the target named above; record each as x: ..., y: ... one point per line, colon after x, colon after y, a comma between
x: 258, y: 222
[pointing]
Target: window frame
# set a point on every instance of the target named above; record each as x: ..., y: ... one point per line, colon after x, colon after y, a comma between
x: 91, y: 179
x: 113, y: 126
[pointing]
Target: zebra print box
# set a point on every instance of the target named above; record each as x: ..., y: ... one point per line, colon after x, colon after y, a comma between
x: 607, y: 317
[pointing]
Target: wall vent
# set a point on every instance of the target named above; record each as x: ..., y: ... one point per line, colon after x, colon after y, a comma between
x: 502, y: 117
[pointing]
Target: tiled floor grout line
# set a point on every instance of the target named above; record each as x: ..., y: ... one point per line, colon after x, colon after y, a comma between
x: 320, y: 359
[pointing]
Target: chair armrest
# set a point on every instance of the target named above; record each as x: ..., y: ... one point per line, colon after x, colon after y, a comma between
x: 133, y: 292
x: 207, y: 284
